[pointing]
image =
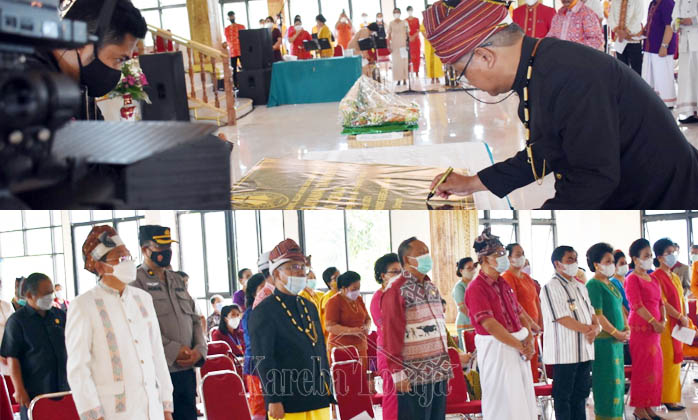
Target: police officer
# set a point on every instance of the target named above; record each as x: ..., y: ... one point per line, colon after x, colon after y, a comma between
x: 180, y: 326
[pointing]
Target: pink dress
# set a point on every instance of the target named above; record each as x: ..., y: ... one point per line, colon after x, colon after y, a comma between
x: 645, y: 349
x: 389, y: 396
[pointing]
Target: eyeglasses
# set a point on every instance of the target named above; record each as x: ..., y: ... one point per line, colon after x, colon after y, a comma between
x: 120, y: 259
x: 499, y: 253
x: 460, y: 78
x: 297, y: 267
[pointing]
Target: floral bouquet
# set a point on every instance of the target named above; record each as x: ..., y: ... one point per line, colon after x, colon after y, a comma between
x: 132, y: 82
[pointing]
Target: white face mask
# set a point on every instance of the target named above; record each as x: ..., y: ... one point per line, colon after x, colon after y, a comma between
x: 607, y: 270
x: 233, y: 323
x: 570, y: 269
x: 379, y: 20
x: 694, y: 258
x: 518, y: 262
x: 298, y: 28
x: 45, y: 302
x: 646, y: 264
x: 502, y: 264
x: 468, y: 274
x: 59, y: 294
x: 344, y: 20
x: 125, y: 271
x: 354, y: 294
x: 410, y: 13
x: 396, y: 15
x: 364, y: 19
x: 531, y: 2
x: 296, y: 285
x: 218, y: 307
x: 268, y: 25
x: 622, y: 270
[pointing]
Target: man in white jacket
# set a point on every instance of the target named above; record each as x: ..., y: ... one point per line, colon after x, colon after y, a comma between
x: 116, y: 362
x: 685, y: 17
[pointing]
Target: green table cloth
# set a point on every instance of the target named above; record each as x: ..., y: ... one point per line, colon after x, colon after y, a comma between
x: 313, y: 81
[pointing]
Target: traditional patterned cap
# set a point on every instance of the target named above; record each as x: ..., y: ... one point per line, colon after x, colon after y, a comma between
x: 99, y: 242
x: 287, y: 250
x: 486, y: 243
x: 456, y: 27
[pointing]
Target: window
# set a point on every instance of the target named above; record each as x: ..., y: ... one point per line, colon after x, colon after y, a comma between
x: 31, y: 241
x: 544, y: 237
x: 126, y: 223
x: 325, y: 240
x: 240, y: 9
x: 370, y: 7
x: 681, y: 226
x: 417, y: 5
x: 308, y: 9
x: 368, y: 238
x: 246, y: 238
x: 256, y: 10
x: 503, y: 223
x: 271, y: 223
x: 165, y: 14
x: 331, y: 9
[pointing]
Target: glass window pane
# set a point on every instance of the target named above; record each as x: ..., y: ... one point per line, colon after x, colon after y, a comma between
x: 85, y: 279
x: 98, y: 215
x: 11, y: 268
x: 79, y: 216
x: 506, y: 233
x: 10, y: 220
x: 649, y: 212
x: 39, y: 241
x: 694, y: 241
x: 246, y: 239
x: 240, y: 14
x: 501, y: 214
x: 176, y: 20
x: 58, y: 240
x: 331, y: 9
x: 480, y: 214
x: 541, y: 214
x: 124, y: 213
x: 368, y: 238
x: 172, y: 3
x: 152, y: 17
x: 272, y: 222
x: 216, y: 253
x: 145, y: 4
x: 308, y: 9
x: 191, y: 247
x: 11, y: 244
x: 539, y: 255
x: 417, y: 5
x: 128, y: 231
x: 672, y: 229
x: 370, y: 7
x: 37, y: 218
x: 60, y: 271
x: 324, y: 240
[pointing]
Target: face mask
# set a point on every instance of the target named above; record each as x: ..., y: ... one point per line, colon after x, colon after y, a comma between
x: 424, y: 263
x: 125, y: 271
x: 218, y: 307
x: 646, y: 264
x: 268, y: 25
x: 354, y: 294
x: 670, y: 260
x: 233, y: 323
x: 298, y: 28
x: 379, y: 20
x: 311, y: 283
x: 502, y: 264
x: 608, y: 270
x: 694, y: 257
x: 410, y: 13
x: 622, y: 270
x: 527, y: 270
x: 396, y: 15
x: 45, y: 302
x: 344, y: 20
x: 99, y: 78
x: 570, y: 269
x: 22, y: 302
x: 518, y: 262
x: 59, y: 294
x: 364, y: 19
x: 161, y: 258
x: 468, y: 274
x: 296, y: 284
x: 531, y: 2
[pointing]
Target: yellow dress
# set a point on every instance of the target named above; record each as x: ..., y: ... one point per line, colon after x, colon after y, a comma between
x: 320, y: 414
x: 433, y: 65
x: 671, y: 380
x: 323, y: 303
x: 315, y: 296
x: 326, y: 33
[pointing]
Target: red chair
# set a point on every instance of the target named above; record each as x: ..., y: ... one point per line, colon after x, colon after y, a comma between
x: 224, y: 396
x: 11, y: 391
x: 220, y: 347
x: 469, y: 340
x: 56, y: 406
x: 351, y: 389
x: 343, y: 354
x: 457, y: 397
x: 692, y: 311
x: 5, y: 402
x: 217, y: 362
x: 544, y: 391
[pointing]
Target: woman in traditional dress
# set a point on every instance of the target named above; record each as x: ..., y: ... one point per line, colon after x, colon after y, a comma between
x: 324, y: 32
x: 646, y: 321
x: 433, y: 66
x: 466, y: 270
x: 397, y: 41
x: 415, y: 43
x: 608, y: 373
x: 659, y: 48
x: 672, y: 349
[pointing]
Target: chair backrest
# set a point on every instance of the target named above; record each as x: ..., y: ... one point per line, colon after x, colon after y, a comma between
x: 5, y: 402
x: 220, y: 347
x: 57, y: 406
x: 10, y: 389
x: 224, y: 396
x: 343, y: 354
x: 692, y: 313
x: 372, y: 351
x: 457, y: 389
x: 351, y: 389
x: 469, y: 340
x: 217, y: 362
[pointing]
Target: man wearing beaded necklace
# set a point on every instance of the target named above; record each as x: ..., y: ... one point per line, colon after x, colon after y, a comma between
x: 604, y: 133
x: 287, y: 342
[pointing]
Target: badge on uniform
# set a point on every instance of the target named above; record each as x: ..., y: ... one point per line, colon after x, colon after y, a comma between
x: 573, y: 306
x: 154, y: 286
x: 180, y: 289
x: 58, y: 321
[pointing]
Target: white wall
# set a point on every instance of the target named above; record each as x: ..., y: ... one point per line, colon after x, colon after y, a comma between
x: 408, y: 223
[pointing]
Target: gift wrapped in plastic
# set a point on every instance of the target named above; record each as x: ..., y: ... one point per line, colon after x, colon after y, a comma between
x: 369, y: 107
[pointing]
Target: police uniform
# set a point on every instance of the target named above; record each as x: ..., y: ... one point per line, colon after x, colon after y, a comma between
x: 180, y: 325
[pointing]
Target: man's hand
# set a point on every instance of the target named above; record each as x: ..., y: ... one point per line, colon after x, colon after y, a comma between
x: 276, y: 411
x: 184, y: 353
x: 591, y: 333
x: 194, y: 356
x: 168, y: 415
x: 22, y: 397
x: 663, y: 52
x: 457, y: 184
x: 403, y: 386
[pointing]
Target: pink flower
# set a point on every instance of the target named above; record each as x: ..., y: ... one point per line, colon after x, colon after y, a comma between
x: 131, y: 80
x: 144, y: 81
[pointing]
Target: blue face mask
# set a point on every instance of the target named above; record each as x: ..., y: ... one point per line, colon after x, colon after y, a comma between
x: 295, y: 285
x: 22, y: 302
x: 670, y: 260
x: 311, y: 283
x: 424, y: 263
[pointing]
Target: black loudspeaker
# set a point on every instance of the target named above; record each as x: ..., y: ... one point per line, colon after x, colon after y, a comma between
x: 256, y: 51
x: 255, y: 84
x: 151, y: 165
x: 166, y: 87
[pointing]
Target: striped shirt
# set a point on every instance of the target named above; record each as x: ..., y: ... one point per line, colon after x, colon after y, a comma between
x: 565, y: 298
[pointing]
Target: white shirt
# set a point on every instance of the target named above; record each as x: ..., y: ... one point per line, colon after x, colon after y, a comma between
x: 634, y: 15
x: 116, y: 362
x: 595, y: 5
x: 565, y: 298
x: 6, y: 310
x: 688, y: 38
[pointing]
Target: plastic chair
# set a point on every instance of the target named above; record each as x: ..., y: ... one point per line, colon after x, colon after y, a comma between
x: 469, y: 339
x: 220, y: 347
x: 544, y: 391
x: 217, y: 362
x: 56, y: 406
x: 224, y: 396
x: 11, y: 391
x: 457, y: 398
x: 372, y: 351
x: 343, y: 354
x: 5, y: 402
x: 351, y: 390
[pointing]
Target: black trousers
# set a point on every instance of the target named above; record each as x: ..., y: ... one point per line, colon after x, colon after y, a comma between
x: 424, y: 402
x: 571, y: 386
x: 184, y: 395
x: 632, y: 56
x: 234, y: 61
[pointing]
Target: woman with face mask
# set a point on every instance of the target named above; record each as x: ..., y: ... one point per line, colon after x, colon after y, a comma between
x: 309, y: 292
x: 647, y: 322
x: 607, y: 369
x: 398, y: 34
x: 255, y: 398
x: 385, y: 269
x: 672, y: 294
x: 346, y: 318
x: 345, y: 30
x: 466, y: 269
x: 276, y: 38
x: 618, y: 278
x: 526, y: 292
x: 296, y: 36
x: 229, y: 330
